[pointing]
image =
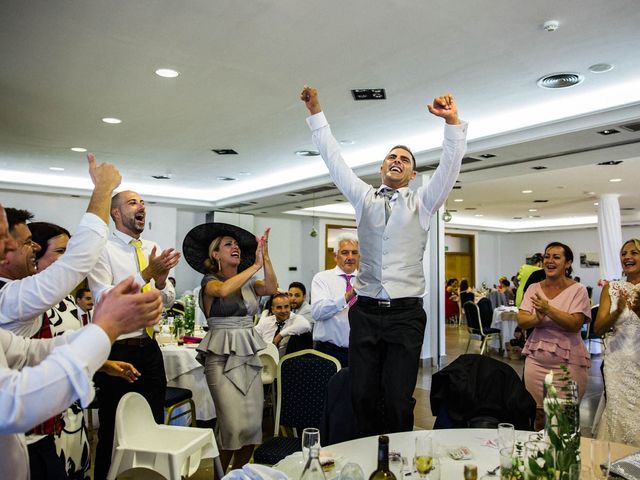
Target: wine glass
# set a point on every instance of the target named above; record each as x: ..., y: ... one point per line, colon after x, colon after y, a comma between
x: 351, y: 471
x: 397, y: 464
x: 310, y: 438
x: 506, y: 436
x: 423, y: 458
x: 600, y: 458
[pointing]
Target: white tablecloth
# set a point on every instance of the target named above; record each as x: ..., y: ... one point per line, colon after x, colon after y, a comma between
x: 505, y: 319
x: 184, y: 371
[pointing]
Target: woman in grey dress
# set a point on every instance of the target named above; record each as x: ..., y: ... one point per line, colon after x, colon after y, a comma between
x: 230, y: 258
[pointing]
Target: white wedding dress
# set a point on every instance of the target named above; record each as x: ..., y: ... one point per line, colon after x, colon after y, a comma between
x: 621, y: 420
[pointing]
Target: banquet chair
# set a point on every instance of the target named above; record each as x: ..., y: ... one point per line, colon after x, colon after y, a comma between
x: 475, y: 323
x: 591, y: 335
x: 173, y: 452
x: 301, y: 383
x: 174, y: 399
x: 270, y: 358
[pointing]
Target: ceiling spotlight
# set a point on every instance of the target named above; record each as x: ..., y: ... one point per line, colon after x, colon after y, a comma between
x: 111, y: 120
x: 167, y: 73
x: 615, y: 180
x: 527, y: 191
x: 226, y: 179
x: 446, y: 216
x: 560, y: 80
x: 307, y: 153
x: 78, y: 149
x: 458, y: 200
x: 551, y: 25
x: 313, y: 233
x: 601, y: 68
x: 56, y: 169
x: 609, y: 131
x: 533, y: 209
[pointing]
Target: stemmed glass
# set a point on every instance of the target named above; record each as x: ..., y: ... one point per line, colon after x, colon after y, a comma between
x: 423, y: 458
x: 310, y: 438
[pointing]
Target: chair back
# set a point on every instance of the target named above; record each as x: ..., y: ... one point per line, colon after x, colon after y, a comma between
x: 486, y: 313
x: 302, y: 388
x: 134, y: 419
x: 473, y: 316
x: 594, y: 313
x: 270, y: 358
x: 466, y: 297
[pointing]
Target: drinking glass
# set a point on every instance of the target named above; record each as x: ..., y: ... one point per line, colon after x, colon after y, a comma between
x: 397, y: 464
x: 600, y: 455
x: 534, y: 449
x: 506, y: 436
x: 423, y: 458
x: 310, y: 438
x: 352, y: 471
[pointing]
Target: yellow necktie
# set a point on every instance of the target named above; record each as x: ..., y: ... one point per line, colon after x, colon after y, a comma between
x: 142, y: 264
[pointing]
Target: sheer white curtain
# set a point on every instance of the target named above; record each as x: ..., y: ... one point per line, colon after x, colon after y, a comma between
x: 610, y: 234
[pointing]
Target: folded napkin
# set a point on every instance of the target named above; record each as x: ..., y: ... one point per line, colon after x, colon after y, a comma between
x: 254, y: 471
x: 191, y: 339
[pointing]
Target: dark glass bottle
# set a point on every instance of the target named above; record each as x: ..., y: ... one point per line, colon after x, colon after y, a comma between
x: 383, y: 472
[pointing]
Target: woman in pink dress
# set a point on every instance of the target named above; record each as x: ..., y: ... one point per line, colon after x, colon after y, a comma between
x: 556, y: 308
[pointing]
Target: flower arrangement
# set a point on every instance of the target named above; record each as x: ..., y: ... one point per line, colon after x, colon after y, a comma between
x: 562, y: 429
x: 514, y: 469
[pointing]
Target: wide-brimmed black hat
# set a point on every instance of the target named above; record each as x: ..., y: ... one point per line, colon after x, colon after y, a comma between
x: 195, y: 246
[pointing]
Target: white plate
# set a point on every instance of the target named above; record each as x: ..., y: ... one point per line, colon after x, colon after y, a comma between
x: 293, y: 465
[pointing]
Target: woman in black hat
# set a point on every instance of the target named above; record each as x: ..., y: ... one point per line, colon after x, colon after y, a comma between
x: 230, y: 257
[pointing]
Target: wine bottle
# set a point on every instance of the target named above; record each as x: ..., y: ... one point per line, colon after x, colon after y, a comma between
x: 313, y: 469
x: 383, y: 472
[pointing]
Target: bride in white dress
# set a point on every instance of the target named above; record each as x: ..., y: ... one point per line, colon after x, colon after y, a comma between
x: 618, y: 319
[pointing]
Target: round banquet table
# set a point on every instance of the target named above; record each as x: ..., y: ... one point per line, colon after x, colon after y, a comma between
x: 481, y: 442
x: 184, y: 371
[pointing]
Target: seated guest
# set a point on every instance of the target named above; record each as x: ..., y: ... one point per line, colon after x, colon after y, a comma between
x: 508, y: 291
x: 298, y: 301
x: 332, y: 297
x: 62, y: 368
x: 451, y: 310
x: 277, y: 328
x: 466, y: 293
x: 84, y: 302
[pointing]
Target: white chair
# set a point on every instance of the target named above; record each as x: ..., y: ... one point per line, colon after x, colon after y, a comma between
x: 173, y: 452
x: 270, y: 358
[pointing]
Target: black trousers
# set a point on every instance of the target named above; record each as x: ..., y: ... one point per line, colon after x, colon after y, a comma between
x: 44, y: 462
x: 341, y: 353
x: 151, y: 384
x: 384, y: 356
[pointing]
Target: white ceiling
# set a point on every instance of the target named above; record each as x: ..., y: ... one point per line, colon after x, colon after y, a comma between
x: 65, y: 64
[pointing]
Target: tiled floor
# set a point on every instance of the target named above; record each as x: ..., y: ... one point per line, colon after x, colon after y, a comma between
x: 456, y: 342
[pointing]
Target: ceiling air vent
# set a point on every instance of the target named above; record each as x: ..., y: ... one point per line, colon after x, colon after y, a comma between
x: 560, y: 80
x: 224, y: 151
x: 631, y: 127
x: 368, y: 94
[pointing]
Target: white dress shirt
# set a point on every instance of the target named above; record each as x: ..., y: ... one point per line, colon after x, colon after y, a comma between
x: 294, y: 325
x: 329, y: 308
x: 58, y: 370
x: 23, y: 300
x: 305, y: 311
x: 117, y: 262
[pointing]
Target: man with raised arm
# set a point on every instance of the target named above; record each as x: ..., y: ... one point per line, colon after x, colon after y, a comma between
x: 61, y: 369
x: 127, y: 254
x: 388, y: 321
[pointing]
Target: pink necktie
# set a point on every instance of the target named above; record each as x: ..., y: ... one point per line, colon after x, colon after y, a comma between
x: 349, y: 288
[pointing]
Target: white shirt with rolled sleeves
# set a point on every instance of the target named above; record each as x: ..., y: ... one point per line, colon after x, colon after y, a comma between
x: 23, y: 301
x: 117, y: 262
x: 329, y: 308
x: 40, y: 378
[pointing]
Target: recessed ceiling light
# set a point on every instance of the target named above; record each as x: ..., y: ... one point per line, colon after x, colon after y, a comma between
x: 596, y: 203
x: 78, y: 149
x: 615, y: 180
x: 470, y: 208
x: 347, y: 142
x: 533, y: 209
x: 226, y: 179
x: 165, y: 176
x: 600, y: 68
x: 611, y: 162
x: 527, y: 191
x: 459, y: 200
x: 307, y: 153
x: 224, y: 151
x: 244, y: 173
x: 487, y: 155
x: 517, y: 218
x: 167, y: 73
x: 56, y: 169
x: 540, y: 201
x: 539, y: 167
x: 478, y: 215
x: 609, y: 131
x: 111, y: 120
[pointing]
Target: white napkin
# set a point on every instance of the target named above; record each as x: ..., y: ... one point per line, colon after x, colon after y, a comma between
x: 254, y: 471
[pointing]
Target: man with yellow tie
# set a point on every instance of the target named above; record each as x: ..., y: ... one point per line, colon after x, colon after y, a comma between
x: 127, y: 254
